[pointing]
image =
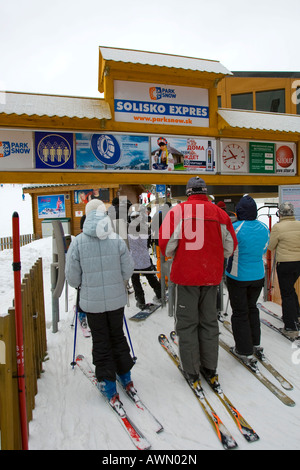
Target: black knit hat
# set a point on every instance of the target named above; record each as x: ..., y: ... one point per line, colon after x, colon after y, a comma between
x: 246, y: 208
x: 196, y: 185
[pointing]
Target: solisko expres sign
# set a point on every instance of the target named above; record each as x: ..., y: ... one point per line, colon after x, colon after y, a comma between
x: 147, y: 103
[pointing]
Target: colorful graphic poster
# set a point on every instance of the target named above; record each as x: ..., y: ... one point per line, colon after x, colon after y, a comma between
x: 16, y: 150
x: 262, y: 157
x: 83, y: 196
x: 178, y: 154
x: 151, y: 103
x: 286, y: 158
x: 112, y: 152
x: 51, y: 206
x: 54, y: 151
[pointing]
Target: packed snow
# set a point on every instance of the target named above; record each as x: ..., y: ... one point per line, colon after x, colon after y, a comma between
x: 70, y: 414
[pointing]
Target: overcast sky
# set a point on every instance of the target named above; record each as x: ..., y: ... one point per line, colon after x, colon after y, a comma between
x: 52, y: 46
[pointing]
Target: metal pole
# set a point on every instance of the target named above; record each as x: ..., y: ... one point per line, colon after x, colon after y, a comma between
x: 19, y: 330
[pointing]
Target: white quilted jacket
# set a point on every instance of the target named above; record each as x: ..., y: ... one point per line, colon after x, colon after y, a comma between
x: 99, y: 262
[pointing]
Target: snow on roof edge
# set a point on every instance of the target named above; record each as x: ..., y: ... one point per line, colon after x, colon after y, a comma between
x: 162, y: 60
x: 261, y: 120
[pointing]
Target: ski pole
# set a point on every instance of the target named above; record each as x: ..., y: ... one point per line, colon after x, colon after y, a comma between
x: 128, y: 334
x: 73, y: 363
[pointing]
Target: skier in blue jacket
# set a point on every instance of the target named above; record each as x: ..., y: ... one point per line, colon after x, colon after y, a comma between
x: 245, y: 278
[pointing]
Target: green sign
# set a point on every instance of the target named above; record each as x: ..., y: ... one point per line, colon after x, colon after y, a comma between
x: 262, y: 157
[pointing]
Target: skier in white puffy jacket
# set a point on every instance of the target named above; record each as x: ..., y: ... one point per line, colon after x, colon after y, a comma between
x: 99, y: 262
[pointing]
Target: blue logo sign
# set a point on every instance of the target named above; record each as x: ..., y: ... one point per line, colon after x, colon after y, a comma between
x: 106, y: 148
x: 160, y: 188
x: 4, y: 149
x: 54, y: 150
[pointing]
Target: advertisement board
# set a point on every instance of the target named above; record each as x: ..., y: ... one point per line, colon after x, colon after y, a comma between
x: 113, y: 152
x: 51, y: 206
x: 262, y: 157
x: 16, y: 150
x: 27, y: 151
x: 86, y: 195
x: 153, y: 103
x: 250, y: 157
x: 291, y: 193
x: 183, y: 154
x: 286, y: 158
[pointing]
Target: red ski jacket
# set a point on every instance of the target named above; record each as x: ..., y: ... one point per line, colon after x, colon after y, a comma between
x: 198, y: 235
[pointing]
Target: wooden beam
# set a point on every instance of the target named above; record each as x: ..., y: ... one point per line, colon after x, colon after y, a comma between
x: 77, y: 177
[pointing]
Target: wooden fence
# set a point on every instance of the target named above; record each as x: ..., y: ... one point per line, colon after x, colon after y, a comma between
x: 35, y: 348
x: 7, y: 242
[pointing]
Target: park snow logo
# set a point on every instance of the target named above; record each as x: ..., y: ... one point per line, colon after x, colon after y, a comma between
x: 4, y: 149
x: 8, y: 148
x: 157, y: 93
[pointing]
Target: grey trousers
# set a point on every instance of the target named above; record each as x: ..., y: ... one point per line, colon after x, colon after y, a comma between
x: 196, y: 325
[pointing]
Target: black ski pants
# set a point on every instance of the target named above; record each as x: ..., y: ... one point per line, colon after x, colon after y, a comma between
x: 245, y: 321
x: 288, y: 273
x: 138, y: 288
x: 111, y: 353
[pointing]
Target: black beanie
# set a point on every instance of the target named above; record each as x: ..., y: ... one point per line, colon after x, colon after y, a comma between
x: 246, y: 208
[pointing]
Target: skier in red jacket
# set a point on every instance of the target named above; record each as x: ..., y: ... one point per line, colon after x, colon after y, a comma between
x: 198, y: 235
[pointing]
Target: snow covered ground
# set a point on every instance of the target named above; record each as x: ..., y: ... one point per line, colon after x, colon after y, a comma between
x: 71, y: 415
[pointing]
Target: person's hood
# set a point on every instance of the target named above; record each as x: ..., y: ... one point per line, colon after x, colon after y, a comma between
x: 246, y: 208
x: 97, y: 224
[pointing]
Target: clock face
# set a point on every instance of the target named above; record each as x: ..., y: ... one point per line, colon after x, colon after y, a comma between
x: 233, y: 156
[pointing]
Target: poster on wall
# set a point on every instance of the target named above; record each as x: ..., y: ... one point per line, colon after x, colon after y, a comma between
x: 234, y: 156
x: 262, y: 157
x: 178, y: 154
x: 286, y: 158
x: 83, y: 196
x: 238, y: 156
x: 152, y: 103
x: 51, y: 206
x: 54, y: 151
x: 291, y: 194
x: 16, y: 150
x: 112, y: 152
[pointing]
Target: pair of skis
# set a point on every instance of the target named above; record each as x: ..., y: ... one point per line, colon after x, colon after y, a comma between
x: 224, y: 436
x: 136, y: 436
x: 267, y: 364
x: 262, y: 307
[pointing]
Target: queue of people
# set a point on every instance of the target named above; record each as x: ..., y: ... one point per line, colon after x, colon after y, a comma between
x: 201, y: 238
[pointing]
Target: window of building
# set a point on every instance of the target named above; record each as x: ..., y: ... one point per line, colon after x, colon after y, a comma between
x: 242, y: 101
x: 272, y: 101
x: 219, y: 102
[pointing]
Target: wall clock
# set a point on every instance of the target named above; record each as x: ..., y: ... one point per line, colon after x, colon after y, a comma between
x: 233, y: 156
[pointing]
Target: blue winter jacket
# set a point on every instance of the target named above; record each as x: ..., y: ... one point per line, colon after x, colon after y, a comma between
x: 246, y: 263
x: 99, y: 262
